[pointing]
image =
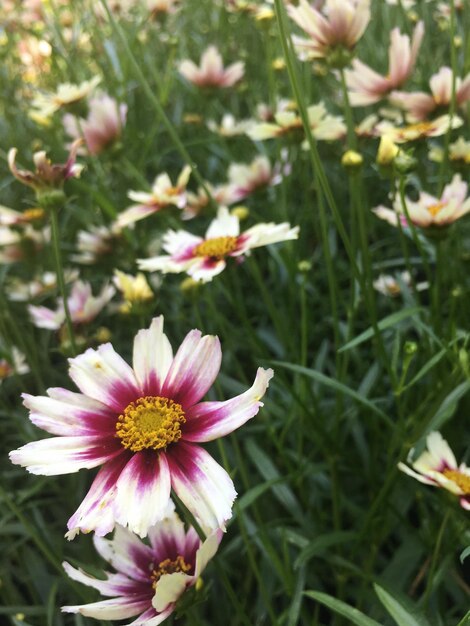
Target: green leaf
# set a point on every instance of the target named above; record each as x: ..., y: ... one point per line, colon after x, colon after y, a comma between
x: 387, y: 322
x: 337, y: 386
x: 322, y: 543
x: 465, y: 621
x: 424, y: 370
x: 447, y: 408
x: 402, y: 611
x: 464, y: 554
x: 254, y: 493
x: 342, y: 608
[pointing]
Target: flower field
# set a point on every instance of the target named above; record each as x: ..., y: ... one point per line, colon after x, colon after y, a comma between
x: 234, y: 337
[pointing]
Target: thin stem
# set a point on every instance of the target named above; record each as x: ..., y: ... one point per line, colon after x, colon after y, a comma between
x: 60, y: 277
x: 435, y: 556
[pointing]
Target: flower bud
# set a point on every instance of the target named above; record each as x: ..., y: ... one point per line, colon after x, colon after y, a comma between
x: 352, y: 159
x: 387, y: 151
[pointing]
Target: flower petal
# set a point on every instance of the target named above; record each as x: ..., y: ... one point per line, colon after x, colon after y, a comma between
x: 103, y: 375
x: 151, y: 617
x: 209, y: 420
x: 152, y: 357
x: 207, y: 551
x: 113, y: 585
x: 126, y: 553
x: 202, y: 484
x: 143, y: 491
x: 169, y: 588
x: 115, y: 608
x: 168, y: 538
x: 96, y: 512
x: 65, y: 455
x: 194, y: 368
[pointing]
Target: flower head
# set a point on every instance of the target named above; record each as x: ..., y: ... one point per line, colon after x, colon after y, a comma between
x: 205, y: 257
x: 48, y: 178
x: 102, y: 126
x: 83, y: 307
x: 45, y: 105
x: 163, y: 194
x: 438, y: 467
x: 211, y: 72
x: 337, y: 29
x: 413, y: 132
x: 143, y: 424
x: 135, y: 289
x: 149, y: 579
x: 366, y: 86
x: 429, y: 211
x: 14, y: 363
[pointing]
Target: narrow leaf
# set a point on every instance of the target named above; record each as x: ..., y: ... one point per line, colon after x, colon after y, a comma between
x: 403, y: 615
x: 342, y: 608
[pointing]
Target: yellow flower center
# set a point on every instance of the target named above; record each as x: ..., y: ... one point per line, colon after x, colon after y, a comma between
x: 169, y: 567
x: 460, y: 479
x: 150, y: 422
x: 435, y: 208
x: 217, y: 247
x: 33, y: 214
x: 421, y: 128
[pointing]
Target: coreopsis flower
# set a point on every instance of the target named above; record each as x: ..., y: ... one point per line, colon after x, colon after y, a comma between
x: 335, y: 29
x: 392, y: 285
x: 45, y: 105
x: 366, y: 86
x: 429, y: 211
x: 419, y: 105
x: 229, y: 126
x: 149, y: 579
x: 160, y: 8
x: 83, y: 307
x: 412, y: 132
x: 458, y: 151
x: 18, y: 245
x: 211, y: 72
x: 95, y: 243
x: 10, y: 217
x: 163, y: 194
x: 15, y: 363
x: 34, y: 56
x: 246, y: 179
x: 48, y: 178
x: 143, y: 424
x: 438, y: 467
x: 135, y: 289
x: 102, y: 127
x: 324, y: 126
x: 205, y: 257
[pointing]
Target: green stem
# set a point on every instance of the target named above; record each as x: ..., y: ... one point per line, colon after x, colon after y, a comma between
x: 435, y: 556
x: 60, y: 277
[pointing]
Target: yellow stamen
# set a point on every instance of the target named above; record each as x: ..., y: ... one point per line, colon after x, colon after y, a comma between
x: 33, y: 214
x: 150, y: 422
x: 169, y: 567
x: 435, y: 208
x: 460, y: 479
x: 217, y: 247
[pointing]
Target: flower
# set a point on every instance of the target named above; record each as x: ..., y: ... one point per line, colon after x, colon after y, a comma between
x: 83, y: 307
x: 341, y: 25
x: 458, y: 151
x: 96, y: 242
x: 19, y: 291
x: 367, y: 86
x: 438, y: 467
x: 135, y: 289
x: 205, y: 257
x: 48, y: 177
x: 229, y: 126
x: 102, y: 126
x: 324, y: 126
x: 143, y: 424
x: 211, y: 72
x: 13, y: 364
x: 392, y: 285
x: 149, y: 578
x: 10, y: 217
x: 243, y: 180
x: 45, y: 105
x: 419, y: 104
x: 163, y: 194
x: 429, y: 211
x: 413, y: 132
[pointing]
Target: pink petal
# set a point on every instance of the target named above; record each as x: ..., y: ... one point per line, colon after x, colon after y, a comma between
x: 113, y: 585
x: 143, y: 491
x: 65, y: 455
x: 209, y: 420
x: 203, y: 485
x: 127, y: 554
x: 103, y: 375
x: 96, y: 512
x: 194, y: 369
x: 152, y: 618
x: 152, y: 357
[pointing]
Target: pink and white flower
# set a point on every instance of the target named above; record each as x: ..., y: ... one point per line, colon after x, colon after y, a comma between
x: 366, y: 86
x: 437, y: 466
x: 340, y: 25
x: 419, y: 105
x: 96, y: 242
x: 45, y: 105
x: 103, y: 125
x: 143, y: 424
x: 149, y: 579
x: 429, y: 211
x: 211, y: 72
x: 420, y: 130
x: 205, y: 257
x: 246, y: 179
x: 15, y: 363
x: 83, y: 307
x: 163, y: 194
